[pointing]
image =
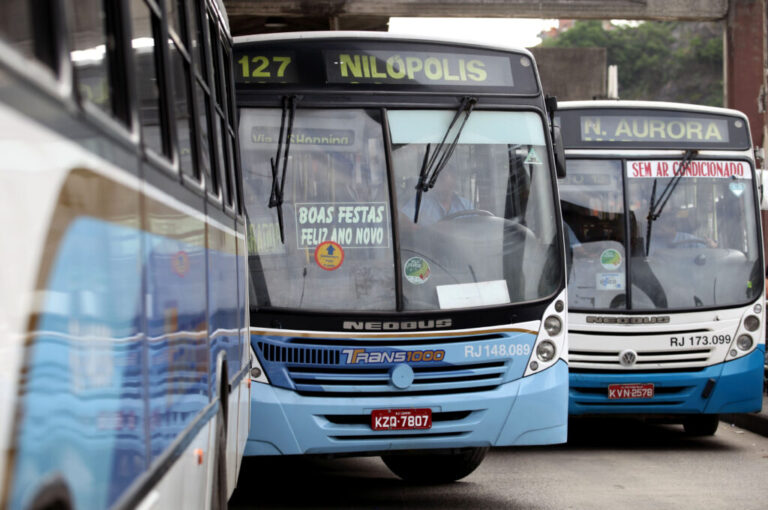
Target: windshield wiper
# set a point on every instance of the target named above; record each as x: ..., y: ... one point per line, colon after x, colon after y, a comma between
x: 278, y: 178
x: 657, y: 206
x: 432, y: 166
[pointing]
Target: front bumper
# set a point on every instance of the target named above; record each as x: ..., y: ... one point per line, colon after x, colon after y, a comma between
x: 527, y: 411
x: 737, y: 389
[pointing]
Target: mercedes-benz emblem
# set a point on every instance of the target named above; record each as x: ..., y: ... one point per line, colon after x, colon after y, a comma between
x: 627, y: 358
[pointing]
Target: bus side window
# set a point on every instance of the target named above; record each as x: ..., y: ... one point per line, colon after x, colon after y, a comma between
x: 145, y: 35
x: 217, y: 154
x: 181, y: 75
x: 89, y: 54
x: 204, y: 123
x: 31, y: 28
x: 16, y: 26
x: 231, y: 123
x: 222, y: 131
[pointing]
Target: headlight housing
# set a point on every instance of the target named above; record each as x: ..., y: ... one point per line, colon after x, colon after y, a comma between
x: 751, y: 323
x: 553, y: 325
x: 744, y: 342
x: 546, y: 351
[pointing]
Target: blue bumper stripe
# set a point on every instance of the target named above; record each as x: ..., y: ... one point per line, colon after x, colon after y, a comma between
x: 738, y: 389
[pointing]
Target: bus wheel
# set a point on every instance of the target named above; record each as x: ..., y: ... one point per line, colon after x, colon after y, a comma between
x: 219, y: 485
x: 702, y: 425
x: 435, y: 467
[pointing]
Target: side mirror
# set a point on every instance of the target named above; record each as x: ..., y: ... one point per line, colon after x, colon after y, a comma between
x: 557, y: 141
x: 557, y: 138
x: 762, y: 182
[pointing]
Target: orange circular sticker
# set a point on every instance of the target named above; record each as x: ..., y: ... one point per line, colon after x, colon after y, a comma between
x: 180, y: 263
x: 329, y: 255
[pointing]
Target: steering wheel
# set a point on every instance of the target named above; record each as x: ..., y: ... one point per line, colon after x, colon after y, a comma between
x: 466, y: 212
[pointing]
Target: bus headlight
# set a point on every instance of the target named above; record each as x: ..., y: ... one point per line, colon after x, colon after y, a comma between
x: 758, y: 308
x: 545, y: 351
x: 257, y: 373
x: 744, y: 342
x: 751, y: 323
x: 553, y: 325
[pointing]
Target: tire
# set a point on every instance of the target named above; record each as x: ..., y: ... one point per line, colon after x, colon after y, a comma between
x: 54, y: 495
x: 701, y: 425
x: 435, y: 468
x: 219, y: 486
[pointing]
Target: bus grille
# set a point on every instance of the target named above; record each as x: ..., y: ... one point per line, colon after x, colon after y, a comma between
x: 647, y: 361
x: 319, y: 369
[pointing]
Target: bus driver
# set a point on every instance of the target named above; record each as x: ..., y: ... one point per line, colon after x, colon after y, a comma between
x: 440, y: 201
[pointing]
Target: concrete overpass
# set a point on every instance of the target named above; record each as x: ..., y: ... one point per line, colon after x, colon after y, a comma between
x: 745, y: 32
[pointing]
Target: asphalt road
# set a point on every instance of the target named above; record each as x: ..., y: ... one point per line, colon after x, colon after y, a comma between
x: 607, y: 464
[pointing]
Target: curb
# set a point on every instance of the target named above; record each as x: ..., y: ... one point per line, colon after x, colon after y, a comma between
x: 754, y: 422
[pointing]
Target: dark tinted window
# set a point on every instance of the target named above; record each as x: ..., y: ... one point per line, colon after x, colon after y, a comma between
x: 145, y: 65
x: 16, y: 26
x: 203, y: 111
x: 197, y: 36
x: 177, y: 20
x: 182, y: 107
x: 89, y: 53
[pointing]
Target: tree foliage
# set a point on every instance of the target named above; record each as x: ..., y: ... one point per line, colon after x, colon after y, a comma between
x: 663, y: 61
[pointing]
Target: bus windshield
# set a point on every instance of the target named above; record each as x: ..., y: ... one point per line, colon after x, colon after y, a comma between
x: 692, y: 241
x: 486, y: 233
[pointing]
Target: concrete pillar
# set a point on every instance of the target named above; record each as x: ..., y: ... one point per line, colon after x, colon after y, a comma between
x: 745, y: 63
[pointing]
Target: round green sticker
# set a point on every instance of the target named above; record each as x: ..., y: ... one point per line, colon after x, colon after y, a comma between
x: 610, y: 259
x: 416, y: 270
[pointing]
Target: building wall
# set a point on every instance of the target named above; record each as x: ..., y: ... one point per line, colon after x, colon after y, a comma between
x: 572, y: 73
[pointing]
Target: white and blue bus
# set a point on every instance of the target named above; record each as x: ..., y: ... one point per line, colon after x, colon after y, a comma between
x: 406, y: 260
x: 123, y: 307
x: 665, y: 290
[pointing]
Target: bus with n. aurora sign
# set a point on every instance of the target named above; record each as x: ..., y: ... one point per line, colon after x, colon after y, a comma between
x: 665, y: 262
x: 406, y: 255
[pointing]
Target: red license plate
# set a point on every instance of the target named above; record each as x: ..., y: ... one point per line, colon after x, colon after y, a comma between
x: 401, y: 419
x: 620, y: 391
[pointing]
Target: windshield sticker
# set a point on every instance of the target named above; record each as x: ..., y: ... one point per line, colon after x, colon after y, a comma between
x: 416, y: 270
x: 696, y: 168
x: 737, y: 188
x: 610, y: 259
x: 354, y: 225
x: 305, y: 136
x: 532, y: 158
x: 329, y: 255
x: 609, y: 281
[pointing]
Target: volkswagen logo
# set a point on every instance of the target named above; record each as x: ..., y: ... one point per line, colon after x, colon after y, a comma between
x: 627, y: 358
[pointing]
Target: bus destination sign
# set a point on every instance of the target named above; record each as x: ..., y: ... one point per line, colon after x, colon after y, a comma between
x: 417, y: 68
x: 635, y: 128
x: 649, y: 128
x: 266, y: 66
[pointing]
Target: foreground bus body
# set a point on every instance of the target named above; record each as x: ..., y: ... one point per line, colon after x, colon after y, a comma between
x: 385, y: 319
x: 121, y: 297
x: 675, y: 329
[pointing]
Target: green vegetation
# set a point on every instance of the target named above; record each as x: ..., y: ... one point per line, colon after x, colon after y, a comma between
x: 663, y: 61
